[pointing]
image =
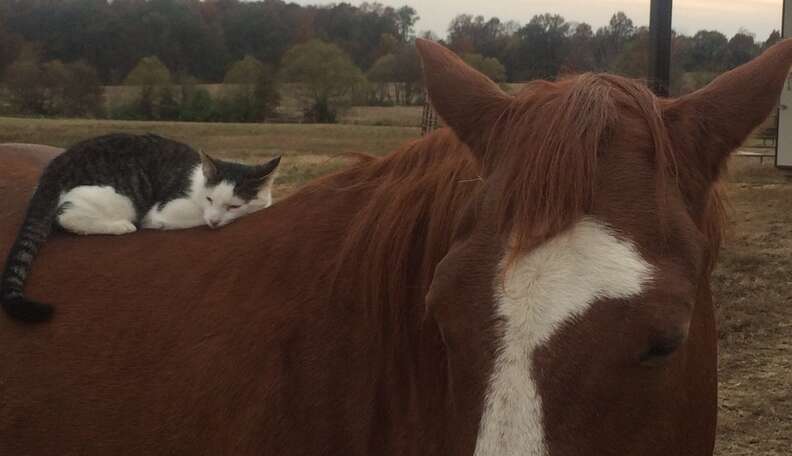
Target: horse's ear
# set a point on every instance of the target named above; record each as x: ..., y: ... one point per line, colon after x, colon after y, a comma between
x: 469, y: 102
x: 707, y: 125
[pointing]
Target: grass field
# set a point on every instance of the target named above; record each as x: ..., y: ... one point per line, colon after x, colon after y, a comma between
x: 231, y: 140
x: 752, y: 284
x: 308, y: 150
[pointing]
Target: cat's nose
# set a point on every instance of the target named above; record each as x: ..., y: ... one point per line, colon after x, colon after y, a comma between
x: 213, y: 223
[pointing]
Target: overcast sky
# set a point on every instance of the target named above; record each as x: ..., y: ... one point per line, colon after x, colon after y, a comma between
x: 727, y: 16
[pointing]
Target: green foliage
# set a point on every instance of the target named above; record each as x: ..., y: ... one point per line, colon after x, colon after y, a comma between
x: 541, y: 49
x: 251, y: 92
x: 248, y: 103
x: 325, y: 75
x: 740, y: 50
x: 407, y: 17
x: 52, y: 88
x: 236, y: 103
x: 197, y: 106
x: 168, y: 106
x: 775, y: 37
x: 633, y: 61
x: 383, y: 70
x: 10, y: 47
x: 708, y: 51
x: 395, y: 78
x: 149, y: 71
x: 25, y: 82
x: 82, y: 93
x: 203, y: 39
x: 246, y: 71
x: 490, y: 66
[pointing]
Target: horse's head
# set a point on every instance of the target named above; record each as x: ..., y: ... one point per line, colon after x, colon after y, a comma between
x: 579, y: 285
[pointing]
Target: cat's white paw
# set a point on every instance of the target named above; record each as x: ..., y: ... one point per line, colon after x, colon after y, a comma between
x: 121, y: 227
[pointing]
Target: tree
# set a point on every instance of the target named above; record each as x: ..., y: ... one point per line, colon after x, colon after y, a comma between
x: 246, y: 71
x: 542, y: 48
x: 708, y: 51
x: 324, y: 74
x: 55, y: 79
x: 24, y: 80
x: 52, y: 88
x: 609, y: 42
x: 633, y: 61
x: 621, y: 27
x: 251, y: 93
x: 150, y: 71
x: 383, y: 75
x: 154, y: 80
x: 740, y: 49
x: 196, y: 106
x: 357, y: 30
x: 468, y: 34
x: 490, y: 66
x: 407, y: 17
x: 408, y: 74
x: 775, y: 37
x: 82, y: 94
x: 10, y: 47
x: 580, y: 57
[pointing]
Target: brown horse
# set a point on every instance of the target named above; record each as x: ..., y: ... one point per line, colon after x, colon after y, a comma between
x: 533, y: 280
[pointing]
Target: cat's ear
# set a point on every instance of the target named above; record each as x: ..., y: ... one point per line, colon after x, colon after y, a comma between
x: 266, y: 172
x: 208, y: 166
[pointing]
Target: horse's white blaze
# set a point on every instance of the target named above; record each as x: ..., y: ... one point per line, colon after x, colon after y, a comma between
x: 554, y: 283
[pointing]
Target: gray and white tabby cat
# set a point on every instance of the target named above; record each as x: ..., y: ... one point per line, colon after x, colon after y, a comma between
x: 119, y: 183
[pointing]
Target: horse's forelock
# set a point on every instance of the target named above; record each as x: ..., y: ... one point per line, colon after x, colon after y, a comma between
x: 546, y: 147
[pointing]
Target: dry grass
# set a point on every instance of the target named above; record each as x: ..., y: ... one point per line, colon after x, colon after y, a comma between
x: 224, y: 140
x: 400, y: 116
x: 753, y: 285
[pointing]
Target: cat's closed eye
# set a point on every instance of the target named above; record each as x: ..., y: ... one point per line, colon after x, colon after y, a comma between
x: 233, y: 206
x: 209, y: 199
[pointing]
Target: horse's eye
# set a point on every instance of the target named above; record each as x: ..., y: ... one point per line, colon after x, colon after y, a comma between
x: 208, y: 199
x: 660, y: 348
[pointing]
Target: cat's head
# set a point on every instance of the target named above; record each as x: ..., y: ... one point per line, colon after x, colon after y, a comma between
x: 232, y: 190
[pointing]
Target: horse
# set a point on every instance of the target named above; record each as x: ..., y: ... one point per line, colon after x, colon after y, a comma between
x: 533, y: 279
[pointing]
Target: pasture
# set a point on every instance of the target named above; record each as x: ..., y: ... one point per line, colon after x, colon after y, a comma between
x: 752, y: 284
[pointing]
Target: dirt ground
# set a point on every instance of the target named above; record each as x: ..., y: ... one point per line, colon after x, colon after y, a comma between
x: 753, y: 287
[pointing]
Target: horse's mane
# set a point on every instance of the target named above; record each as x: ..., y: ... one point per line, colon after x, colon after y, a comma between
x: 408, y: 204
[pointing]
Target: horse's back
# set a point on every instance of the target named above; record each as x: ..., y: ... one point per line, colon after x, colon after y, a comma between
x: 20, y: 167
x: 130, y: 342
x: 166, y: 342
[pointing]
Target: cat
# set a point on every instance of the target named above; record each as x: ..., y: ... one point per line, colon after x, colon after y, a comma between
x: 119, y: 183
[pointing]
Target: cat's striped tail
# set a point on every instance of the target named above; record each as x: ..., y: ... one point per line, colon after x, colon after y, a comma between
x: 35, y: 229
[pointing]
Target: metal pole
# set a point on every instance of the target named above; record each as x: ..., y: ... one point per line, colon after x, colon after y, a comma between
x: 660, y: 46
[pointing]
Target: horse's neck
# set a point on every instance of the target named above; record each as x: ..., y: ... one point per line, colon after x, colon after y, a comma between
x: 397, y: 216
x: 391, y: 224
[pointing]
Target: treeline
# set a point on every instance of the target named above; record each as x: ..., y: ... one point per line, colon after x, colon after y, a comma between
x: 193, y: 38
x: 56, y: 54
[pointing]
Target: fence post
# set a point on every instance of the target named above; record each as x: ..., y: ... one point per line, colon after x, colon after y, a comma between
x: 660, y: 47
x: 429, y: 116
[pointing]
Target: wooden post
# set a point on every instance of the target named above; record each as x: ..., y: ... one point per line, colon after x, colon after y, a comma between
x: 660, y: 46
x: 429, y: 116
x: 784, y: 119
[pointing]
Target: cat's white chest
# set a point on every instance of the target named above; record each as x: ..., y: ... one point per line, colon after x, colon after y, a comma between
x: 176, y: 214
